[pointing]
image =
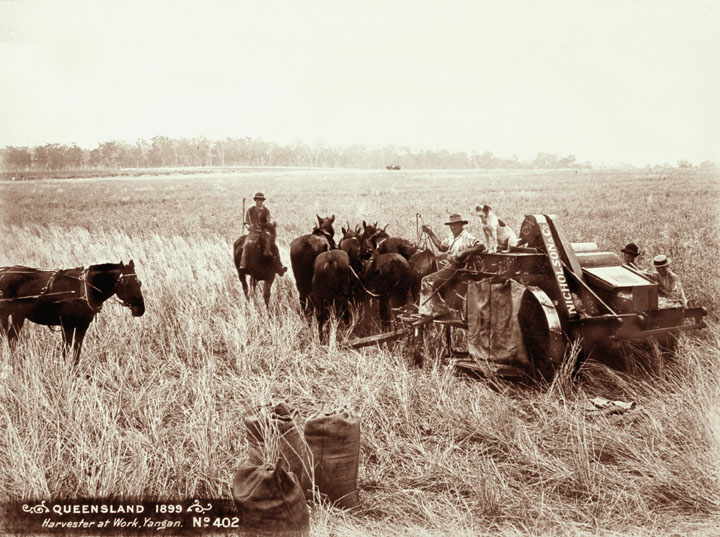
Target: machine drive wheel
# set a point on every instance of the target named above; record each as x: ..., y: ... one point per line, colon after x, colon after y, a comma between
x: 541, y: 331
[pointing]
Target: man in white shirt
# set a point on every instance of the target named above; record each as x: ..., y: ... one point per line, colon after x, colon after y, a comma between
x: 460, y: 246
x: 668, y: 281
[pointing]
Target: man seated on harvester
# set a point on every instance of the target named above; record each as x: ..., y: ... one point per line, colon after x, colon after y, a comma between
x: 460, y: 246
x: 256, y: 218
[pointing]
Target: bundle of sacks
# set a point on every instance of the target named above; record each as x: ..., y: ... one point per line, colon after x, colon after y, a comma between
x: 272, y: 497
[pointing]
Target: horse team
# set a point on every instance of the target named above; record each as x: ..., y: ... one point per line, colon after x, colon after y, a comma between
x: 367, y: 263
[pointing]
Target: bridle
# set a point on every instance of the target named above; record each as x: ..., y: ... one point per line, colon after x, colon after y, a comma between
x: 120, y: 281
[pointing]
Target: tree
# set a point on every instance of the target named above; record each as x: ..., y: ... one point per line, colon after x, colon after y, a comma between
x: 74, y: 157
x: 18, y: 158
x: 40, y: 158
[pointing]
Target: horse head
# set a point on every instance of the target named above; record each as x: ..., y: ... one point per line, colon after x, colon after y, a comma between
x: 127, y: 288
x: 355, y: 245
x: 326, y: 225
x: 267, y: 238
x: 378, y: 236
x: 368, y: 229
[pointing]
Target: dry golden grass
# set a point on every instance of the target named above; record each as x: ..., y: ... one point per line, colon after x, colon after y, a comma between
x: 156, y: 405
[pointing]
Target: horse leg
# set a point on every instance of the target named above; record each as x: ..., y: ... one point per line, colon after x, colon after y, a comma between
x: 73, y: 336
x: 244, y: 283
x: 267, y: 286
x: 11, y: 326
x: 67, y: 337
x: 385, y: 310
x: 77, y: 344
x: 4, y: 323
x: 415, y: 289
x: 322, y: 315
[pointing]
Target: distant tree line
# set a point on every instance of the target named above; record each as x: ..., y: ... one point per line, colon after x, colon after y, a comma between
x: 162, y: 151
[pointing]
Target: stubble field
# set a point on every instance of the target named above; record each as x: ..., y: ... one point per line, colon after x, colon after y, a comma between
x: 155, y: 407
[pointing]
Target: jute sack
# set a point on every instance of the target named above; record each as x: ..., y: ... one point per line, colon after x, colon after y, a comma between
x: 277, y: 429
x: 269, y: 501
x: 334, y: 440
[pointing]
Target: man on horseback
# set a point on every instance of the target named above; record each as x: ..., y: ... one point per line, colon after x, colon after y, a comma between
x: 257, y: 219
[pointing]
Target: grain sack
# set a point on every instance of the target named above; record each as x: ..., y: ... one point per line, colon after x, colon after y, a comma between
x: 276, y: 431
x: 270, y: 501
x: 334, y: 440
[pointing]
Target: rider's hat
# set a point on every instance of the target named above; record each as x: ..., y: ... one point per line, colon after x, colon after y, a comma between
x: 259, y: 196
x: 456, y: 219
x: 661, y: 261
x: 632, y: 249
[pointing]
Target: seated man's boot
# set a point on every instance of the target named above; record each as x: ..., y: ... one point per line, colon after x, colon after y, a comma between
x: 243, y: 261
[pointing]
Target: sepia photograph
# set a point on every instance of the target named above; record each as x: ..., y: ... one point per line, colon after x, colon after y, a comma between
x: 398, y: 268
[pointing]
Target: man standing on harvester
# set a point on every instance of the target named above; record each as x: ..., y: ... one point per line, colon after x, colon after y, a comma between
x: 460, y: 246
x: 257, y: 218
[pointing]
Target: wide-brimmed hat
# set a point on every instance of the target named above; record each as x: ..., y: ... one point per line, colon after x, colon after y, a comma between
x: 259, y: 196
x: 456, y: 219
x: 632, y: 249
x: 661, y: 261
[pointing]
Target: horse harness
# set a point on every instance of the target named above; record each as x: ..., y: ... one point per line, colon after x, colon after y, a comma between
x: 327, y: 235
x: 47, y: 291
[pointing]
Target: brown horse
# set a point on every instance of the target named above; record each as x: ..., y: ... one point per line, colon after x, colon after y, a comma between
x: 332, y: 287
x: 262, y: 264
x: 422, y: 262
x: 388, y: 275
x: 303, y: 252
x: 355, y: 246
x: 69, y: 298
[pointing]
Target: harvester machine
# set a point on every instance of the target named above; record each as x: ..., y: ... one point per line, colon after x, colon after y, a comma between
x: 575, y: 292
x: 521, y: 308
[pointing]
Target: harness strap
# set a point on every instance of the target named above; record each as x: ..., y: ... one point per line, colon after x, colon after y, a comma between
x: 329, y: 237
x: 48, y: 285
x: 374, y: 295
x: 86, y: 292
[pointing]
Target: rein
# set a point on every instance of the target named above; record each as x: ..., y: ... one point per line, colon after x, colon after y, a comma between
x: 374, y: 295
x: 421, y: 236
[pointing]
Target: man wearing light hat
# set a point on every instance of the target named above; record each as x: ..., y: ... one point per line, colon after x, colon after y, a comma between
x: 670, y: 286
x: 460, y: 246
x: 256, y: 218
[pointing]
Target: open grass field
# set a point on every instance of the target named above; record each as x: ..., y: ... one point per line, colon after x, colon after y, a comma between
x: 156, y: 405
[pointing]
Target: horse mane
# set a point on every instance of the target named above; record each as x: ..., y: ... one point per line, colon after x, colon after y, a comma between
x: 105, y: 267
x: 271, y: 229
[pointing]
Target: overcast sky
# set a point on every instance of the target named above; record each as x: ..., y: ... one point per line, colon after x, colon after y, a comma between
x: 607, y: 81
